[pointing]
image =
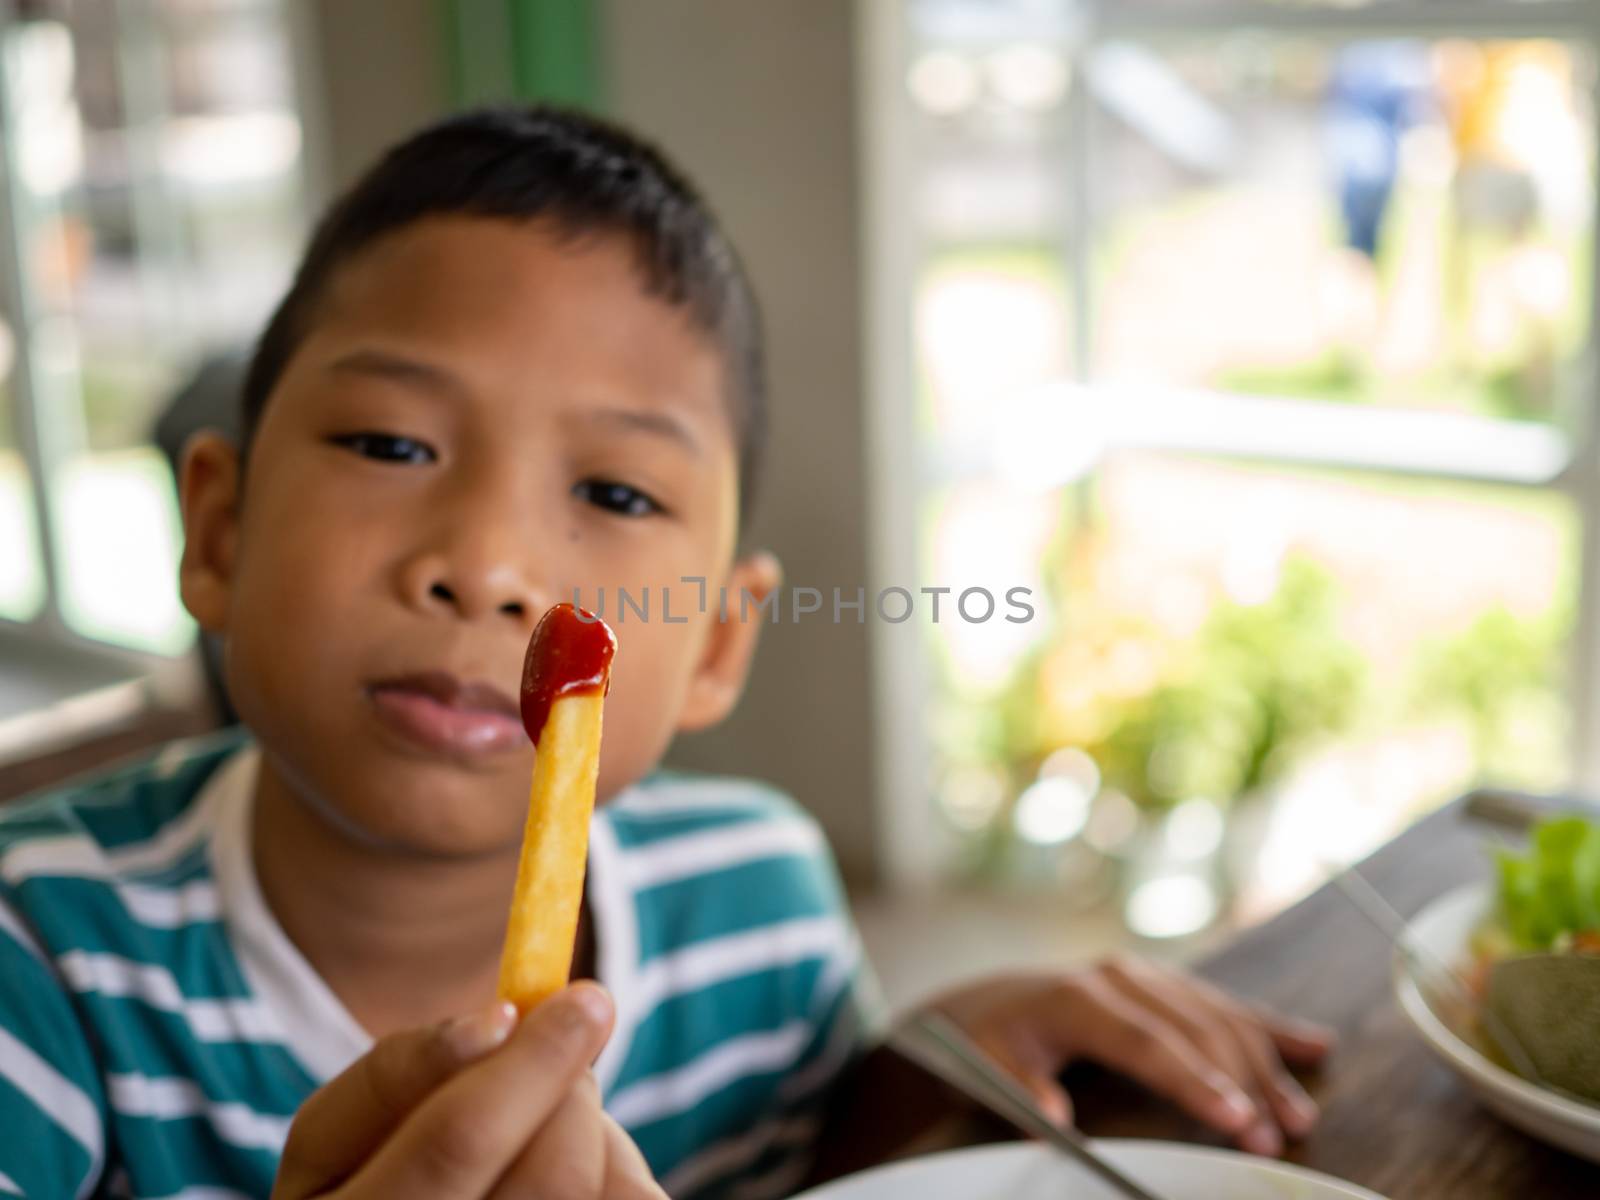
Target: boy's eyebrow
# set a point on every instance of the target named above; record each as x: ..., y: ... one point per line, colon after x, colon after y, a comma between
x: 389, y: 365
x: 396, y: 366
x: 659, y: 424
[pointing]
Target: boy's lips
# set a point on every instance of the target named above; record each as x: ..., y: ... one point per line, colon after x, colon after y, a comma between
x: 438, y: 712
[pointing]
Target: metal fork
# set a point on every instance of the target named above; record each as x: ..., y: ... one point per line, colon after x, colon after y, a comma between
x: 1430, y: 972
x: 940, y: 1047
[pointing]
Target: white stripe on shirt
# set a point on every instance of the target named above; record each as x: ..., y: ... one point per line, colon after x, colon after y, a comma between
x: 732, y: 1154
x: 732, y: 955
x: 672, y: 1092
x: 171, y: 908
x: 165, y: 847
x: 707, y: 797
x: 11, y: 925
x: 717, y: 850
x: 150, y: 904
x: 9, y: 1185
x: 78, y: 854
x: 63, y: 1101
x: 169, y: 1098
x: 319, y: 1030
x: 616, y: 933
x: 210, y: 1020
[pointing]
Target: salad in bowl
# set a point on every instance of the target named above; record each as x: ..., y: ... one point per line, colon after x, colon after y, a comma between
x: 1526, y: 943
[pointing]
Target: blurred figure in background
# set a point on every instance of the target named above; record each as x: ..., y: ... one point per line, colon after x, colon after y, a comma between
x: 1506, y: 103
x: 1378, y: 91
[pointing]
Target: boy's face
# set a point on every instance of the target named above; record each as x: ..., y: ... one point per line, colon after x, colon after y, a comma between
x: 482, y: 418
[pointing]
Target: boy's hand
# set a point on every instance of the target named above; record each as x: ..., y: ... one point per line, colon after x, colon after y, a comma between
x: 1216, y: 1057
x: 477, y: 1109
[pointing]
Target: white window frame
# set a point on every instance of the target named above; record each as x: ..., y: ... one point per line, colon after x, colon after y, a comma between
x: 42, y: 410
x: 100, y: 683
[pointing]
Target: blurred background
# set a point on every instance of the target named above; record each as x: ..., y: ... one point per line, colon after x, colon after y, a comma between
x: 1256, y: 338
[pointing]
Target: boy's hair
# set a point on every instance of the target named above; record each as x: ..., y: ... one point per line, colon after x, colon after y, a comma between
x: 583, y: 175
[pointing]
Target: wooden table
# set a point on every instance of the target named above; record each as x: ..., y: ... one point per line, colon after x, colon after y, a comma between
x: 1394, y: 1119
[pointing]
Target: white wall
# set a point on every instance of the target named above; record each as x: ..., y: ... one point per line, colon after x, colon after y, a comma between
x: 379, y: 72
x: 757, y: 101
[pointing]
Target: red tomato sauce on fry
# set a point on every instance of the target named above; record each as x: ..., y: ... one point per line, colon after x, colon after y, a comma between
x: 569, y: 654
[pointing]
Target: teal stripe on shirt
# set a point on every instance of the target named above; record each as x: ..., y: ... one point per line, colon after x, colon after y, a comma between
x: 187, y: 1152
x: 53, y: 1159
x: 697, y: 1022
x: 124, y: 807
x: 51, y: 1107
x: 87, y: 914
x: 754, y: 895
x: 143, y: 1040
x: 670, y: 1141
x: 794, y: 1109
x: 636, y: 829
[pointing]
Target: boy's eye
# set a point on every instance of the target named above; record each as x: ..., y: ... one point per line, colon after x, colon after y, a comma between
x: 616, y: 497
x: 387, y: 447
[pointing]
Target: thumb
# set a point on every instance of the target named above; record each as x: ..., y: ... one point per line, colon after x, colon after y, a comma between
x: 1051, y: 1098
x: 345, y: 1121
x: 1036, y: 1073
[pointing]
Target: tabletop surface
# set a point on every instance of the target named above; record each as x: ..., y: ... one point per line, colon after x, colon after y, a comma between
x: 1394, y: 1119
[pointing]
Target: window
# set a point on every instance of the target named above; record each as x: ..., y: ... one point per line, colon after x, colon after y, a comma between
x: 1256, y: 339
x: 21, y: 575
x: 153, y: 153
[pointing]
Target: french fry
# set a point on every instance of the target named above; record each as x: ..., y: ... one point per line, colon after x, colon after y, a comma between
x: 565, y: 678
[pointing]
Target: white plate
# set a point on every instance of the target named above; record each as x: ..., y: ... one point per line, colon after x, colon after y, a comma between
x: 1444, y: 929
x: 1028, y: 1171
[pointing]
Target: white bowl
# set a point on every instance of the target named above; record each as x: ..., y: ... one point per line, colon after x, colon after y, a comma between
x: 1444, y: 930
x: 1030, y: 1171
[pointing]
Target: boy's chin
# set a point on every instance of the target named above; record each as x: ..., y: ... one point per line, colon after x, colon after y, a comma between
x: 432, y: 814
x: 422, y: 835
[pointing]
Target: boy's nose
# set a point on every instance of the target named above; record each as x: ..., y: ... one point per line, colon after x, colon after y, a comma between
x: 436, y: 585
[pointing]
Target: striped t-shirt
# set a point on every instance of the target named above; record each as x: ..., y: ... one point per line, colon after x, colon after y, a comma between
x: 158, y: 1029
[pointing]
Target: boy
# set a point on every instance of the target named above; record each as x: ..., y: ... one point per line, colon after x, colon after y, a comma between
x: 519, y: 359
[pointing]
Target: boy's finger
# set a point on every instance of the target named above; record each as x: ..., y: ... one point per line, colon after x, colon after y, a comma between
x: 1036, y: 1073
x: 568, y: 1156
x: 1234, y: 1041
x: 340, y: 1126
x: 1161, y: 1060
x: 464, y: 1136
x: 1051, y: 1098
x: 1185, y: 1006
x: 1295, y: 1111
x: 1301, y: 1043
x: 1205, y: 1019
x: 627, y: 1174
x: 1134, y: 1042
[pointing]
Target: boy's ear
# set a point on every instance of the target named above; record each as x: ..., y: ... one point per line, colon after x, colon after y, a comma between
x: 725, y: 661
x: 208, y: 496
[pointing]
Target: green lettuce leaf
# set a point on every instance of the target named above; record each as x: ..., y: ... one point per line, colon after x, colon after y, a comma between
x: 1552, y: 892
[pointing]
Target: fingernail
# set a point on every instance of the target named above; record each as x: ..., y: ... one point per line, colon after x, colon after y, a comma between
x: 1240, y: 1109
x: 1310, y: 1031
x: 1263, y: 1139
x: 471, y: 1036
x: 1305, y: 1112
x: 591, y: 1004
